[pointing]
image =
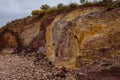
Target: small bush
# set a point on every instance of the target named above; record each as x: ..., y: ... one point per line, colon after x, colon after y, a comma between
x: 52, y: 11
x: 45, y: 7
x: 106, y: 1
x: 35, y: 12
x: 88, y: 4
x: 38, y: 12
x: 60, y: 6
x: 112, y: 6
x: 73, y: 5
x: 82, y: 1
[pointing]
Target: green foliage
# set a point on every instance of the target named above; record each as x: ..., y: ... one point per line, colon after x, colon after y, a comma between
x: 112, y: 6
x: 38, y: 12
x: 52, y: 10
x: 82, y: 1
x: 73, y: 5
x: 88, y: 4
x: 85, y: 1
x: 35, y: 12
x: 45, y: 7
x: 56, y: 9
x: 60, y: 6
x: 106, y: 1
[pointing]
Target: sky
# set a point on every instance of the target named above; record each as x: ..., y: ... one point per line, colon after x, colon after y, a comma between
x: 15, y: 9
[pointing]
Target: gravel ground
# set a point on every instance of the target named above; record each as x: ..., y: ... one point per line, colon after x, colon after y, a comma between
x: 14, y: 67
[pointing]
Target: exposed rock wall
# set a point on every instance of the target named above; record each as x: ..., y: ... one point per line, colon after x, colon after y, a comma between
x: 19, y: 36
x: 64, y: 38
x: 80, y: 33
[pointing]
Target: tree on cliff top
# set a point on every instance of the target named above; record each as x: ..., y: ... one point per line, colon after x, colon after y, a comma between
x: 82, y: 1
x: 60, y: 6
x: 45, y: 7
x: 86, y: 1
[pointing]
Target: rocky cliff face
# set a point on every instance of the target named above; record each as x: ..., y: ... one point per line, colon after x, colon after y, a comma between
x: 70, y: 39
x: 91, y: 33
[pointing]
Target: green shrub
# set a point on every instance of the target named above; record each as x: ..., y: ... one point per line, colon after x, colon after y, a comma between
x: 38, y: 12
x: 88, y: 4
x: 52, y: 10
x: 44, y: 7
x: 112, y: 6
x: 82, y: 1
x: 106, y: 1
x: 35, y: 12
x: 73, y: 5
x: 60, y: 6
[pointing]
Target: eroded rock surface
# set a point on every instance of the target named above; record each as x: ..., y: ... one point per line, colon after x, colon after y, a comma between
x: 71, y: 43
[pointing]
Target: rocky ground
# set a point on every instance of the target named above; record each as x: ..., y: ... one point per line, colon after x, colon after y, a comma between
x: 14, y: 67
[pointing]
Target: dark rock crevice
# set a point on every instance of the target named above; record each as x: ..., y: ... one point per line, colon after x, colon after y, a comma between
x: 19, y: 46
x: 41, y: 49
